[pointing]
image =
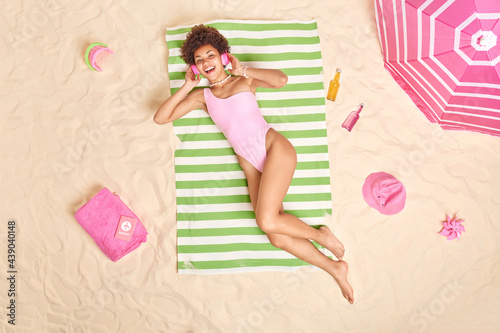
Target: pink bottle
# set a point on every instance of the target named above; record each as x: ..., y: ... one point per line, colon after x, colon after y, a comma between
x: 352, y: 118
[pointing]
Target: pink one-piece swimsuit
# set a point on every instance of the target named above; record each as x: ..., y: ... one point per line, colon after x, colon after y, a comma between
x: 241, y: 121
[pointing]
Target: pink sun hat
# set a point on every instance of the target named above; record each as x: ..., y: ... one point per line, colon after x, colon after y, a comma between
x: 384, y: 192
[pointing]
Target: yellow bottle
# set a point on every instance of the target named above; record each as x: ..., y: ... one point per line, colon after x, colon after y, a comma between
x: 334, y: 86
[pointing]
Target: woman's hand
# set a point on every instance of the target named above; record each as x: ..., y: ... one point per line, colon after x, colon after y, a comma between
x: 192, y: 80
x: 266, y: 78
x: 237, y: 69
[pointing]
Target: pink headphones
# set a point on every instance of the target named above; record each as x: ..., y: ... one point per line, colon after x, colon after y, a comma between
x: 223, y: 57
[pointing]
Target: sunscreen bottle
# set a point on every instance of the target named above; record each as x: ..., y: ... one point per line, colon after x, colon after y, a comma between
x: 334, y: 86
x: 352, y: 118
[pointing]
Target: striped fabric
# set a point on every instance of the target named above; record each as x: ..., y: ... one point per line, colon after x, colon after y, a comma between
x: 445, y: 54
x: 216, y: 228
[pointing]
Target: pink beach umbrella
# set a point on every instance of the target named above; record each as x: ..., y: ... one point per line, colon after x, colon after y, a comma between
x: 445, y: 54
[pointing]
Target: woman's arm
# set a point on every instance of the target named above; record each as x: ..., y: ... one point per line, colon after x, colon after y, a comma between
x: 266, y: 78
x: 181, y: 102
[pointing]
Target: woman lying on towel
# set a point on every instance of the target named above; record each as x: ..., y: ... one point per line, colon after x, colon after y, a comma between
x: 267, y: 158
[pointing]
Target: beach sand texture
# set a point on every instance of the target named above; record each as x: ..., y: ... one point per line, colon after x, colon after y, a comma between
x: 67, y: 131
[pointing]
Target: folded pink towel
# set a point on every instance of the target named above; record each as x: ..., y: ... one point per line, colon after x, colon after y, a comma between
x: 100, y: 217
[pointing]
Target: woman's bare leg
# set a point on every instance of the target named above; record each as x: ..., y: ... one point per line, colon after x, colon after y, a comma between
x: 305, y: 250
x: 275, y: 181
x: 300, y: 247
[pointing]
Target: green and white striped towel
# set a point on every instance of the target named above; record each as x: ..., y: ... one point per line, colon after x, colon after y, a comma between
x: 216, y: 228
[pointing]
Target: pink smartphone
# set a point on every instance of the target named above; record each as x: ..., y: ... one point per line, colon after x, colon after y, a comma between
x: 125, y: 228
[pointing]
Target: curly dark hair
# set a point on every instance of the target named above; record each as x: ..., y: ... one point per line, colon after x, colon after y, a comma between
x: 202, y: 35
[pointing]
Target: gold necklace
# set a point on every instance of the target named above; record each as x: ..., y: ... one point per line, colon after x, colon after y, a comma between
x: 222, y: 81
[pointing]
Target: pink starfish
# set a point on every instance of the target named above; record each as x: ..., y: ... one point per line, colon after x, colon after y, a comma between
x: 452, y: 228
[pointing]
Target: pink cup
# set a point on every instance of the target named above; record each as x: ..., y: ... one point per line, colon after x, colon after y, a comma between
x: 96, y: 54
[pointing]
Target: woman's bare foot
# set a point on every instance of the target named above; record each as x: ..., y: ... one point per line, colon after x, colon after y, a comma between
x: 339, y: 273
x: 332, y: 243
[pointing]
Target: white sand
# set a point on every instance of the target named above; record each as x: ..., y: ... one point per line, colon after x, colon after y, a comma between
x: 67, y: 131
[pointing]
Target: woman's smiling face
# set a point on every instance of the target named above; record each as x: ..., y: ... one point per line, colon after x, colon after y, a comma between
x: 207, y: 60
